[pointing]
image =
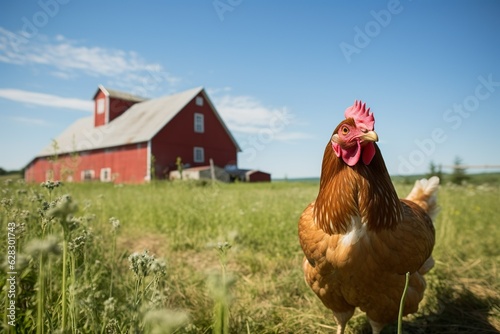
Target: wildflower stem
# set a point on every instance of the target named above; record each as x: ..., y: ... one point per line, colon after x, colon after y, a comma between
x: 64, y: 274
x: 153, y: 281
x: 221, y: 323
x: 113, y: 250
x: 401, y: 305
x: 40, y: 297
x: 138, y: 283
x: 103, y: 326
x: 72, y: 305
x: 115, y: 224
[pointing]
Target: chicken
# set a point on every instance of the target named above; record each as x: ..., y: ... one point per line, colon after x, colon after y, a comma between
x: 358, y: 237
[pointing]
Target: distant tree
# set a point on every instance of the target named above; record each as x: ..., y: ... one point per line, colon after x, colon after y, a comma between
x: 2, y: 171
x: 458, y: 176
x: 435, y: 170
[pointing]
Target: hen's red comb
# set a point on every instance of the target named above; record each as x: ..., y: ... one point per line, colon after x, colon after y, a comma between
x: 361, y: 115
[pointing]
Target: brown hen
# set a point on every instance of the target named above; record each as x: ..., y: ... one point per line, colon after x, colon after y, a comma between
x: 358, y: 237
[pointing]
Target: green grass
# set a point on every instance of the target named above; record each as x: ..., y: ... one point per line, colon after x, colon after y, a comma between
x: 257, y: 284
x: 472, y: 178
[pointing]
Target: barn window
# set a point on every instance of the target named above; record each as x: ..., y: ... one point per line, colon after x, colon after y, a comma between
x: 199, y: 154
x: 100, y: 106
x: 199, y: 124
x: 105, y: 174
x: 87, y: 175
x: 199, y: 101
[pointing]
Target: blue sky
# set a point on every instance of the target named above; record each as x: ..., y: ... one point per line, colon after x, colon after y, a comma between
x: 281, y: 74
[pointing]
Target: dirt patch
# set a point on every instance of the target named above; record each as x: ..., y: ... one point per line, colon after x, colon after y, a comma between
x: 154, y: 243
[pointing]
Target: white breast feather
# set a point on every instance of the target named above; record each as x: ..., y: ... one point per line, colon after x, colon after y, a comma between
x: 356, y: 231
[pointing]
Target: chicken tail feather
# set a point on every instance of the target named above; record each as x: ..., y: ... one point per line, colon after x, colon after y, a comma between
x: 424, y: 194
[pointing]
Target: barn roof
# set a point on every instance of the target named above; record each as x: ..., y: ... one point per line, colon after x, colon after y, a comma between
x: 140, y: 123
x: 118, y: 94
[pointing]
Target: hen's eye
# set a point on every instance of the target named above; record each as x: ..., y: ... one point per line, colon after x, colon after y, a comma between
x: 344, y: 130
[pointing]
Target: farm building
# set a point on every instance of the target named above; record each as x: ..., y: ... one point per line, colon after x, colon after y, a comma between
x: 230, y: 173
x: 201, y: 173
x: 131, y: 139
x: 248, y: 175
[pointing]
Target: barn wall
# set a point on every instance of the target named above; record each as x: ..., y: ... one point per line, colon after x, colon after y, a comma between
x: 178, y: 139
x: 128, y: 164
x: 118, y: 107
x: 258, y: 176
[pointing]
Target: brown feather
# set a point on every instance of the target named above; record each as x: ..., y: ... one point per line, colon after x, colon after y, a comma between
x: 365, y: 191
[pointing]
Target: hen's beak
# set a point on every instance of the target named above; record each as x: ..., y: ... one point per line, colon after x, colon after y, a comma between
x: 369, y: 136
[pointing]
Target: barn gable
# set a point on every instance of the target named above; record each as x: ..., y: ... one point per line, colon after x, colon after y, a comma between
x: 196, y: 135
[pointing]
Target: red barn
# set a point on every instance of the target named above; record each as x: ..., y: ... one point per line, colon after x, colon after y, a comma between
x: 247, y: 175
x: 257, y: 176
x: 131, y: 139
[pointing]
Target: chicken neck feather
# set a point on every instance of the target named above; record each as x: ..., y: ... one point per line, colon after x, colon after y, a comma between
x: 364, y: 191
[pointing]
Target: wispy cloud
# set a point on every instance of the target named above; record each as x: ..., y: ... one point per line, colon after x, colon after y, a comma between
x: 292, y: 135
x: 30, y: 121
x: 247, y: 115
x: 215, y: 91
x: 69, y: 58
x: 254, y: 124
x: 46, y: 99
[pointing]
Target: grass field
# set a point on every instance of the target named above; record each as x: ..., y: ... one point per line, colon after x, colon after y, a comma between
x: 221, y: 258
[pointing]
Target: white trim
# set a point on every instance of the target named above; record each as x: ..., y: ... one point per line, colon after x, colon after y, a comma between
x: 199, y: 101
x: 101, y: 108
x: 106, y: 118
x: 199, y: 123
x: 91, y: 172
x: 102, y: 177
x: 201, y: 151
x: 104, y: 90
x: 106, y: 107
x: 148, y: 162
